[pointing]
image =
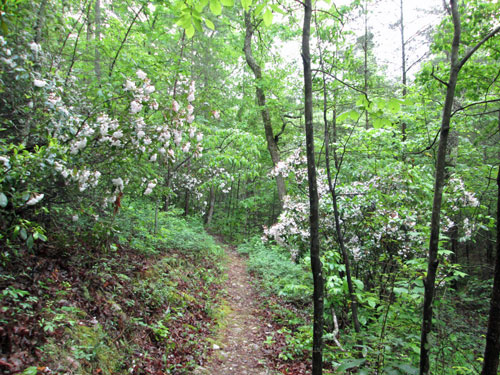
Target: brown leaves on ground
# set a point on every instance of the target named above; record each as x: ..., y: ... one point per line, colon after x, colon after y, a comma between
x: 60, y: 293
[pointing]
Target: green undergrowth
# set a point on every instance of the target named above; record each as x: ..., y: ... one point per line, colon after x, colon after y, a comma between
x: 148, y: 305
x: 390, y: 319
x: 277, y: 272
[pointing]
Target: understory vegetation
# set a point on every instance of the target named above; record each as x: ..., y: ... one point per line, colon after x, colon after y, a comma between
x: 390, y: 340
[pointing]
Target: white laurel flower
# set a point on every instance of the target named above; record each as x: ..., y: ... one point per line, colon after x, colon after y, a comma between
x: 129, y: 86
x: 39, y: 83
x: 135, y: 106
x: 175, y: 106
x: 140, y: 74
x: 34, y: 199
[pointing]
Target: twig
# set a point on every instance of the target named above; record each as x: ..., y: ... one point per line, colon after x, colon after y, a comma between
x: 437, y: 78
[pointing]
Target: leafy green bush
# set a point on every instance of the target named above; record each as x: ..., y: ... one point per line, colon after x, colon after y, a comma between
x: 137, y: 224
x: 279, y: 274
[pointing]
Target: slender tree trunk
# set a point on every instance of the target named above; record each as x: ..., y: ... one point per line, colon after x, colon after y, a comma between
x: 338, y: 230
x: 186, y: 202
x: 365, y: 61
x: 166, y: 204
x: 211, y: 205
x: 155, y: 230
x: 125, y: 39
x: 403, y: 65
x: 492, y: 350
x: 429, y: 281
x: 40, y: 21
x: 340, y: 239
x: 272, y: 146
x: 317, y: 356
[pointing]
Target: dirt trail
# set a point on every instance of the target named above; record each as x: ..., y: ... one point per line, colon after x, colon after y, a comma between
x: 237, y: 347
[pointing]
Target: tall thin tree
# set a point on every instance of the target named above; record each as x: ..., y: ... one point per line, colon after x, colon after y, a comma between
x: 272, y: 145
x: 492, y: 350
x: 317, y: 356
x: 429, y: 281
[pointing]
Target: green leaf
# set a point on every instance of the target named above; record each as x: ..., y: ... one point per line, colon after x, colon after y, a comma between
x: 3, y: 200
x: 184, y: 21
x: 268, y: 17
x: 406, y: 368
x: 201, y: 5
x: 359, y: 284
x: 399, y: 291
x: 259, y: 8
x: 351, y: 115
x: 227, y: 3
x: 277, y: 9
x: 197, y: 25
x: 350, y: 363
x: 30, y: 242
x: 246, y: 4
x: 30, y: 371
x: 209, y: 24
x: 362, y: 101
x: 190, y: 31
x: 394, y: 105
x: 215, y: 7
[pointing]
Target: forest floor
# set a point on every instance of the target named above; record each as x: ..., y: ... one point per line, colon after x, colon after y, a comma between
x: 239, y: 342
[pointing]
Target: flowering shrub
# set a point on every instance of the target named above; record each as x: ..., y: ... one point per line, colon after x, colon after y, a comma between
x: 374, y: 219
x: 77, y: 158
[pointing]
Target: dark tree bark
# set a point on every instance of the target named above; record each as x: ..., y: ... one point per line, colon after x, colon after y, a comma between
x: 365, y: 61
x: 403, y: 64
x: 40, y: 21
x: 272, y: 146
x: 317, y: 356
x: 492, y: 350
x: 429, y: 281
x: 211, y: 205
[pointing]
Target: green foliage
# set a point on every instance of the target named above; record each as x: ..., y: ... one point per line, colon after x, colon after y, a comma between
x: 277, y: 271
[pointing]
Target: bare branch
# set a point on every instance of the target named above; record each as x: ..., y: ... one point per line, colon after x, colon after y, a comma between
x: 477, y: 46
x: 437, y: 78
x: 341, y: 81
x: 125, y: 39
x: 428, y: 147
x: 474, y: 104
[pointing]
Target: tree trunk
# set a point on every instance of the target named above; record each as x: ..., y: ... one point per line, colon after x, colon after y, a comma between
x: 429, y: 281
x: 365, y: 62
x: 338, y: 229
x: 403, y: 64
x: 186, y: 202
x: 492, y: 350
x: 155, y: 229
x: 317, y: 356
x: 211, y: 205
x: 272, y: 146
x: 40, y: 21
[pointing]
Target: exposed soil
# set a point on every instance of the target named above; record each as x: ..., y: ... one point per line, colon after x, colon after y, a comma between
x: 238, y: 346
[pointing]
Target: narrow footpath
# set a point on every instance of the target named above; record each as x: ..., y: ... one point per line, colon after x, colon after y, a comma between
x: 238, y: 343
